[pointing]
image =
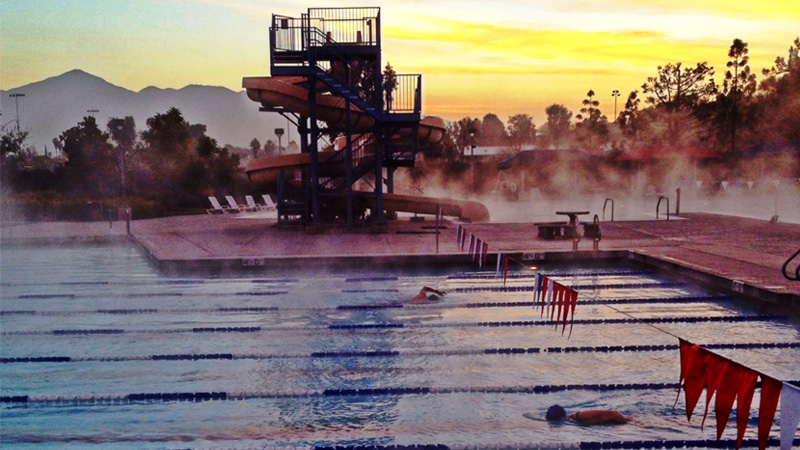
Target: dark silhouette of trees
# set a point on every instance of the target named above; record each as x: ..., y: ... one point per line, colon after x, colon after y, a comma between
x: 269, y: 148
x: 521, y: 131
x: 389, y: 85
x: 492, y: 131
x: 592, y: 131
x: 558, y: 123
x: 91, y: 159
x: 677, y: 91
x: 255, y: 146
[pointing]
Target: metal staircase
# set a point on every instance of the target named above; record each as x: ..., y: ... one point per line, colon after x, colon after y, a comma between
x: 338, y: 51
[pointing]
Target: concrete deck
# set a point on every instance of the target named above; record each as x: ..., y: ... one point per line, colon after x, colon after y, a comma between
x: 728, y: 253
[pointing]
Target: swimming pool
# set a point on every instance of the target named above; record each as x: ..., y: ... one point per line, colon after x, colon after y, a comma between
x: 323, y: 359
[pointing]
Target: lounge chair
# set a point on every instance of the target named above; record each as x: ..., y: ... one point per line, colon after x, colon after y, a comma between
x: 268, y: 203
x: 253, y: 206
x: 216, y: 207
x: 234, y: 207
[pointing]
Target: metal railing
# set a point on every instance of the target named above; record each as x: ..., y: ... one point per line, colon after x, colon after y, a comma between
x: 785, y: 268
x: 406, y: 94
x: 325, y: 26
x: 658, y: 206
x: 612, y: 209
x: 347, y: 25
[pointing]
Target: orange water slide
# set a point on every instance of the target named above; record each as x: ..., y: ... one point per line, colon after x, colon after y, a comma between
x: 289, y: 93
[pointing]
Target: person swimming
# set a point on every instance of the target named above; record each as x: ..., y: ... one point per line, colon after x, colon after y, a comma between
x: 424, y: 297
x: 557, y: 413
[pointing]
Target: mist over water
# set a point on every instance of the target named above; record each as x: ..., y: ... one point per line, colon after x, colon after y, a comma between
x: 758, y: 188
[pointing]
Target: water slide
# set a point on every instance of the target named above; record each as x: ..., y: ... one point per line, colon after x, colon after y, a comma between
x: 290, y: 94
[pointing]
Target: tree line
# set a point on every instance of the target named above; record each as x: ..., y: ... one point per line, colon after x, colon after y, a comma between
x: 170, y: 164
x: 679, y: 105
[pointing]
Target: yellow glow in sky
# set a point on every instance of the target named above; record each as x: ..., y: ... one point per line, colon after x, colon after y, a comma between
x: 506, y: 57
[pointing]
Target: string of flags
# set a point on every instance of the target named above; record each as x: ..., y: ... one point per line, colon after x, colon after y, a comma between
x: 749, y: 184
x: 555, y: 300
x: 478, y: 249
x: 731, y: 381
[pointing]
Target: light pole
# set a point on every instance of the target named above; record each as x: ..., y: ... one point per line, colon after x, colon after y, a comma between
x: 16, y: 101
x: 472, y: 132
x: 615, y: 94
x: 92, y: 112
x: 279, y: 133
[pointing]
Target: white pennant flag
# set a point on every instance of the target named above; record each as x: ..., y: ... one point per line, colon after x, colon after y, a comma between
x: 724, y: 185
x: 698, y: 183
x: 776, y: 183
x: 750, y: 185
x: 790, y: 414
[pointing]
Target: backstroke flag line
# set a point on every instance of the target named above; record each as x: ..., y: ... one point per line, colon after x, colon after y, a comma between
x: 733, y: 382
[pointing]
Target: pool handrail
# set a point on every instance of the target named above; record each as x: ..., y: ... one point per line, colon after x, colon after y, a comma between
x: 658, y: 205
x: 612, y: 208
x: 786, y: 265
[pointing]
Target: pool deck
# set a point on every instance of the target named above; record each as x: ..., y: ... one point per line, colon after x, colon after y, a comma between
x: 729, y: 253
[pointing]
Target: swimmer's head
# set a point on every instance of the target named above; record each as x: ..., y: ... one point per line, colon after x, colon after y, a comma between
x: 555, y: 412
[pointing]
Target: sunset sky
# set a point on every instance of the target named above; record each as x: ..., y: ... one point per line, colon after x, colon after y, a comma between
x: 503, y: 56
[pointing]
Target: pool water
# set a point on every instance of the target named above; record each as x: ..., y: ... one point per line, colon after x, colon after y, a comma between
x: 314, y: 359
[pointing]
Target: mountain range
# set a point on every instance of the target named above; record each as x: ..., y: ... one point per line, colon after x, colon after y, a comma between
x: 51, y: 106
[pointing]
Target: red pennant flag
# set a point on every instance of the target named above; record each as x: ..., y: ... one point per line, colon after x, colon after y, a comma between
x: 554, y: 300
x: 574, y: 301
x: 567, y: 305
x: 770, y: 392
x: 696, y: 379
x: 743, y: 401
x: 688, y: 351
x: 738, y: 380
x: 505, y: 270
x: 715, y: 372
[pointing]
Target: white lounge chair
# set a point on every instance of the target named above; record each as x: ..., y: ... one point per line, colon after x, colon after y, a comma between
x: 268, y: 203
x: 253, y: 206
x: 216, y: 208
x: 234, y: 207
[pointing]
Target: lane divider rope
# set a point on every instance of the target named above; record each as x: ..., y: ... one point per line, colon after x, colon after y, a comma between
x: 372, y: 306
x: 392, y: 353
x: 397, y: 325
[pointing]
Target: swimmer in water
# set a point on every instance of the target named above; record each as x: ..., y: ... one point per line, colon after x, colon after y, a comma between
x: 586, y: 418
x: 424, y: 297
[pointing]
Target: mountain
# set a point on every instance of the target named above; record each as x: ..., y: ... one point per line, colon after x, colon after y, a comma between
x: 56, y: 104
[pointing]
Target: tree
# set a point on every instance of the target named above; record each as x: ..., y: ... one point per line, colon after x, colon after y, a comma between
x: 460, y: 134
x: 783, y: 65
x: 269, y: 148
x: 292, y: 147
x: 738, y: 86
x: 255, y: 146
x: 12, y: 141
x: 778, y: 104
x: 558, y: 123
x: 123, y: 132
x: 629, y: 116
x: 679, y: 91
x: 91, y: 160
x: 389, y: 85
x: 521, y: 131
x: 168, y: 133
x: 676, y: 88
x: 492, y: 130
